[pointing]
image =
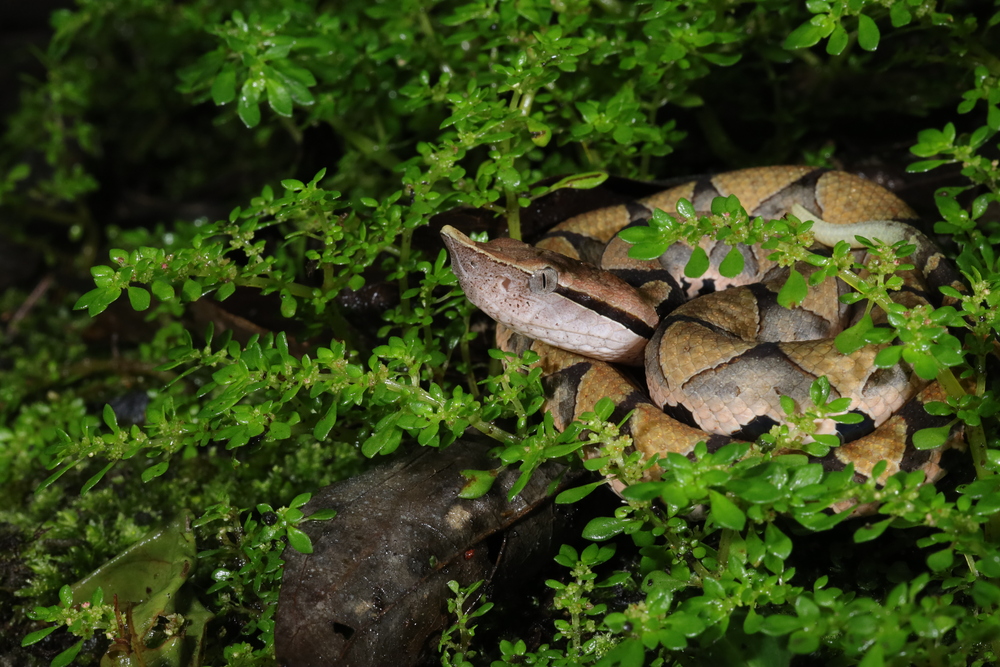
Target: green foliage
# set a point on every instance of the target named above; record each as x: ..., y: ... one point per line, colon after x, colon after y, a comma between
x: 332, y: 135
x: 574, y: 598
x: 456, y: 652
x: 248, y: 560
x: 82, y: 620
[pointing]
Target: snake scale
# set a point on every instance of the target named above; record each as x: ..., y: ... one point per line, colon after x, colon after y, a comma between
x: 717, y: 352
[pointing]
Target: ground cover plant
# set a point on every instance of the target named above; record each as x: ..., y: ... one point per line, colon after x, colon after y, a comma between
x: 220, y: 294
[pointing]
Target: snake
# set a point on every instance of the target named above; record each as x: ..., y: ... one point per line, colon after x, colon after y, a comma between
x: 717, y: 352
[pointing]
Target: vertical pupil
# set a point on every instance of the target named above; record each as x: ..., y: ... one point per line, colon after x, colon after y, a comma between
x: 544, y: 280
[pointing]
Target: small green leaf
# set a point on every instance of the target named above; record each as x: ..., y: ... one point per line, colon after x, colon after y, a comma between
x: 19, y: 172
x: 630, y: 653
x: 224, y: 86
x: 577, y: 493
x: 384, y: 441
x: 97, y: 300
x: 280, y: 430
x: 869, y: 532
x: 938, y: 408
x: 868, y: 35
x: 289, y: 304
x: 162, y: 290
x: 780, y: 624
x: 604, y: 408
x: 698, y: 263
x: 925, y: 365
x: 806, y: 35
x: 852, y: 338
x: 642, y: 490
x: 603, y: 528
x: 752, y: 622
x: 888, y: 357
x: 191, y: 290
x: 819, y: 390
x: 66, y: 596
x: 38, y: 635
x: 686, y: 209
x: 230, y: 373
x: 103, y: 275
x: 989, y: 564
x: 732, y: 265
x: 225, y: 291
x: 247, y: 106
x: 110, y: 418
x: 56, y: 475
x: 278, y: 96
x: 541, y: 134
x: 875, y: 657
x: 139, y: 298
x: 92, y: 482
x: 725, y: 513
x: 794, y: 291
x: 925, y: 165
x: 899, y: 14
x: 722, y: 59
x: 103, y: 300
x: 299, y: 541
x: 154, y: 471
x: 985, y: 593
x: 776, y: 542
x: 324, y: 425
x: 838, y: 41
x: 322, y: 515
x: 929, y: 438
x: 584, y: 181
x: 802, y: 641
x: 67, y: 656
x: 479, y: 482
x: 941, y: 560
x: 85, y: 299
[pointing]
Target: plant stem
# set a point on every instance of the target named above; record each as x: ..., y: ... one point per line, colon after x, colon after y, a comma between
x: 513, y: 214
x: 467, y: 360
x: 725, y: 540
x: 405, y: 240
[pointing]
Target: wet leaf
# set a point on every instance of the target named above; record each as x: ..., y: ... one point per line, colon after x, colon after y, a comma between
x: 406, y: 541
x: 725, y: 512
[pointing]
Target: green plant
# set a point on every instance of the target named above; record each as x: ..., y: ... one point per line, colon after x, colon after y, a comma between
x: 332, y: 136
x: 456, y: 652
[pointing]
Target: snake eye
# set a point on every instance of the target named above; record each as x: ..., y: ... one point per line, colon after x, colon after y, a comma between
x: 544, y: 280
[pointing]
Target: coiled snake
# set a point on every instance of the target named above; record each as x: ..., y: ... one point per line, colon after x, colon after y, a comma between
x: 716, y: 361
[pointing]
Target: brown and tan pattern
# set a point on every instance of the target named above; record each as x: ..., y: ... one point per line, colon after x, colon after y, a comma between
x: 717, y: 364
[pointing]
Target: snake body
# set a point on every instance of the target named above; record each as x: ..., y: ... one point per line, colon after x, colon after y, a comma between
x: 718, y: 352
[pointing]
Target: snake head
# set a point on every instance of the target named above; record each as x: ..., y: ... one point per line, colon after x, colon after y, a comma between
x: 561, y: 301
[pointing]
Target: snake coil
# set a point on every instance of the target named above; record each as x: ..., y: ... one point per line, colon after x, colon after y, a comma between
x: 718, y: 352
